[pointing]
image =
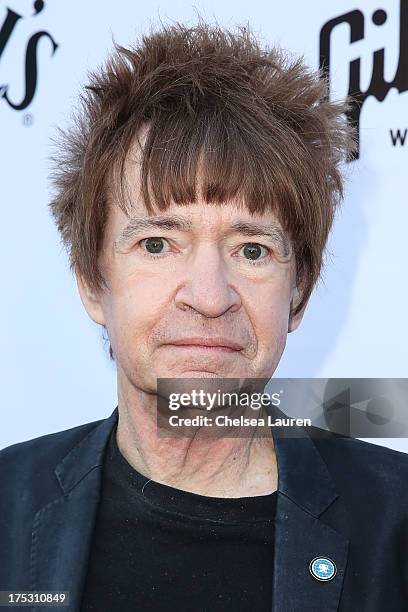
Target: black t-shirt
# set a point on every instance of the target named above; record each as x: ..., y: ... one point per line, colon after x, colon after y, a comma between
x: 159, y: 548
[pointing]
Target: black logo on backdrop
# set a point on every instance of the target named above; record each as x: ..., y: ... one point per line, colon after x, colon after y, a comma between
x: 378, y: 87
x: 7, y: 29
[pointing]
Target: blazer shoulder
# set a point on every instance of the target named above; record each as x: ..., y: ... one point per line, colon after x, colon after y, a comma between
x: 372, y: 465
x: 360, y: 448
x: 44, y: 450
x: 29, y: 480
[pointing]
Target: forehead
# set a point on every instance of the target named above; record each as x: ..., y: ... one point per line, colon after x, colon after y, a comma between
x: 198, y: 214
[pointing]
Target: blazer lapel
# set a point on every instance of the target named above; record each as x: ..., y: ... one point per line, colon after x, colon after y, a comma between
x: 62, y: 530
x: 305, y: 490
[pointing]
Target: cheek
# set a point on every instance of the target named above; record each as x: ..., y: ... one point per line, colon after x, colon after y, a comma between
x: 133, y: 306
x: 268, y: 307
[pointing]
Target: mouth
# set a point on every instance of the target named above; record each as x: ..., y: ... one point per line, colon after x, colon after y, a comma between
x: 208, y: 344
x: 204, y: 348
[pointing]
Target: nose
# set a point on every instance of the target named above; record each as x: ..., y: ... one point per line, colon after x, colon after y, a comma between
x: 207, y: 289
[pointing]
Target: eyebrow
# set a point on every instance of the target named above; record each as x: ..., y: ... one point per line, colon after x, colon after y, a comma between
x: 272, y: 231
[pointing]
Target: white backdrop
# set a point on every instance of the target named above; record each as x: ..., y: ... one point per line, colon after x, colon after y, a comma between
x: 55, y: 370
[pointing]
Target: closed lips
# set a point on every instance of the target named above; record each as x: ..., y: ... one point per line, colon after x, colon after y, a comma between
x: 209, y: 343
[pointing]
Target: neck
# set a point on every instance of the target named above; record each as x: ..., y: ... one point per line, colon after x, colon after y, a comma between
x: 216, y: 467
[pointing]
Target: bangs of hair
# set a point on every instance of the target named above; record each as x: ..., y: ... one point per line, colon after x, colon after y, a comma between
x: 220, y: 151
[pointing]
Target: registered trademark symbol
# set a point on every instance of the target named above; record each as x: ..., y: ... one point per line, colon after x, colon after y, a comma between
x: 28, y: 119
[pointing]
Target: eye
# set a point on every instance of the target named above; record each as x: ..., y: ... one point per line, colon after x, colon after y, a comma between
x: 154, y: 245
x: 254, y: 251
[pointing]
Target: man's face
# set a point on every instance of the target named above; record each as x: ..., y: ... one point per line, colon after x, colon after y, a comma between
x: 198, y: 274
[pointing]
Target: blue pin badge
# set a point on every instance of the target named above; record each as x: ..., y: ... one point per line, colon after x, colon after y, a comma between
x: 322, y: 568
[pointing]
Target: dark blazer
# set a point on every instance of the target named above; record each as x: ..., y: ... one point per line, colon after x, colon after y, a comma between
x: 338, y: 497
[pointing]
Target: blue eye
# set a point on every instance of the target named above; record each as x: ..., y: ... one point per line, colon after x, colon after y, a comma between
x: 154, y: 245
x: 253, y: 250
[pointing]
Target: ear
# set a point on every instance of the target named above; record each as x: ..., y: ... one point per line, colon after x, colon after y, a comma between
x: 295, y: 320
x: 90, y: 299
